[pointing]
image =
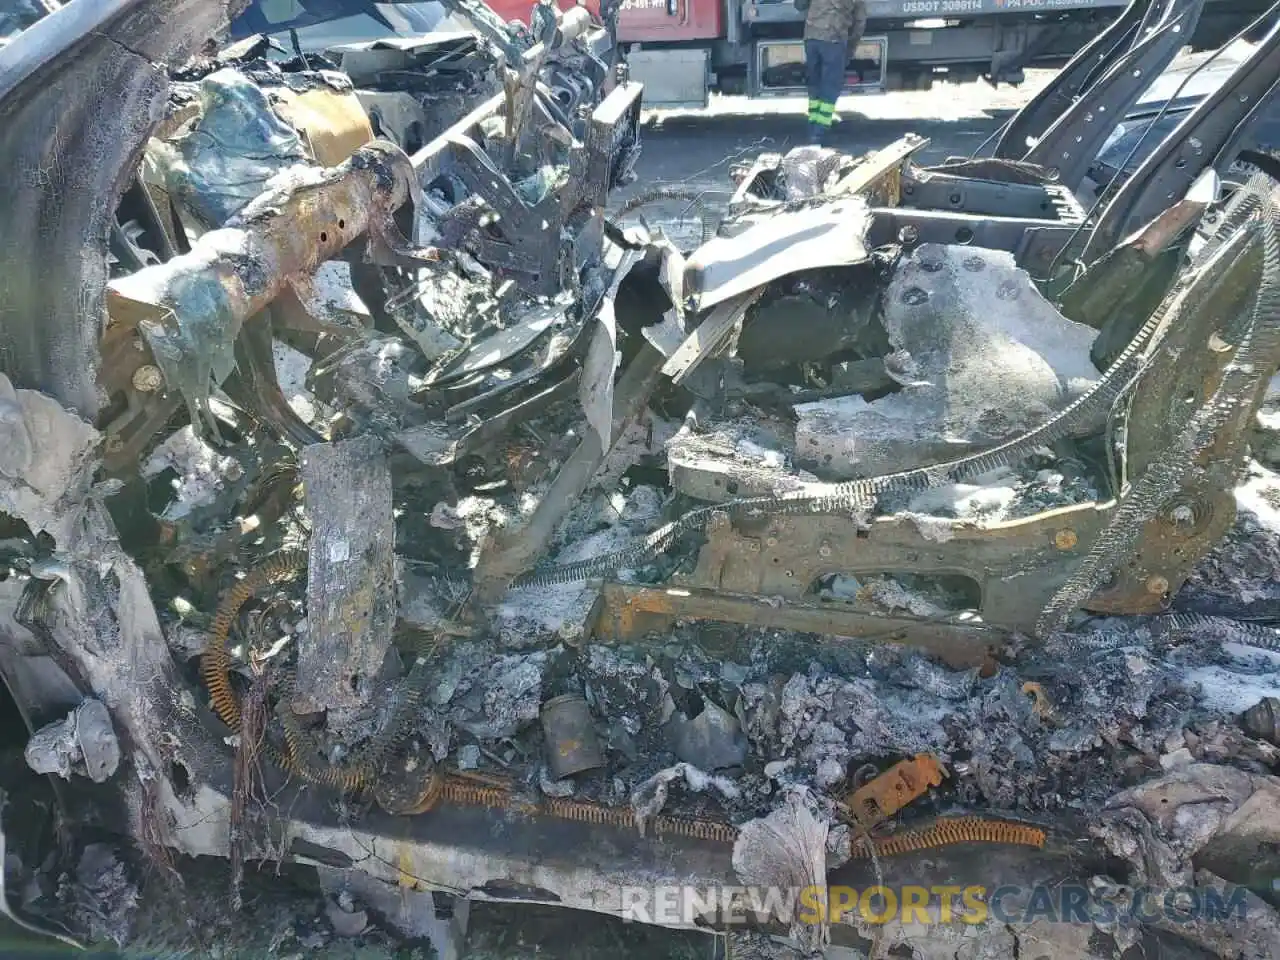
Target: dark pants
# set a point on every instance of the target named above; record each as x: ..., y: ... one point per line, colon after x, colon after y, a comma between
x: 824, y: 62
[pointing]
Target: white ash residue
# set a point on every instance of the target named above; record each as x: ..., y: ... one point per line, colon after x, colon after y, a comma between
x: 329, y: 297
x: 562, y: 611
x: 787, y: 850
x: 1243, y: 571
x: 498, y: 698
x: 102, y: 897
x: 623, y: 688
x: 650, y: 797
x: 201, y: 470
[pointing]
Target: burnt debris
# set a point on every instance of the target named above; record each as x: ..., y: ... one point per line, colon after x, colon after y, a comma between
x: 390, y: 504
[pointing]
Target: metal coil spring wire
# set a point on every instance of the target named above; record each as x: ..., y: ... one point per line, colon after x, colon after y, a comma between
x: 710, y: 222
x: 215, y: 663
x: 359, y: 770
x: 1166, y: 475
x: 854, y: 495
x: 945, y: 833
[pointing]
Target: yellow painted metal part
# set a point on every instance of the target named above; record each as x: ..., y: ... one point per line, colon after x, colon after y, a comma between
x: 904, y: 782
x: 332, y: 122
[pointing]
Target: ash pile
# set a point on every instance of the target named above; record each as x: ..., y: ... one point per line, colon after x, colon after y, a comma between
x: 415, y: 520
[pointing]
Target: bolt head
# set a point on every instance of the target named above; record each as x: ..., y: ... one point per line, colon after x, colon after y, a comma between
x: 1157, y: 585
x: 1065, y: 539
x: 147, y: 378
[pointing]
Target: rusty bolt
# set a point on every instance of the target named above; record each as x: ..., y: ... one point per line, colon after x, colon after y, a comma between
x: 147, y: 378
x: 771, y: 541
x: 1065, y: 539
x: 1158, y: 585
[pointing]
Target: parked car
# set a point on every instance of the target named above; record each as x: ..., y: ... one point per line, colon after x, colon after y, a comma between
x: 1190, y: 79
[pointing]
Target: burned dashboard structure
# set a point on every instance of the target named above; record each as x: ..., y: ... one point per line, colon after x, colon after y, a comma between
x: 401, y: 483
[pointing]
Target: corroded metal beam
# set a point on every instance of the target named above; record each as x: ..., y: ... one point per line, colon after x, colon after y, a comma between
x: 192, y: 307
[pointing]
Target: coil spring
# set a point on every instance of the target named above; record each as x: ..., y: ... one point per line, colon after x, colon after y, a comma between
x: 1255, y: 352
x: 465, y: 792
x: 858, y: 494
x: 1178, y: 625
x: 361, y: 769
x: 694, y: 197
x: 356, y: 774
x: 949, y: 832
x: 346, y: 777
x: 215, y: 664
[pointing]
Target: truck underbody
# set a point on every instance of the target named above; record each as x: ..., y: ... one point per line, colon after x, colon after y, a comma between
x: 408, y: 519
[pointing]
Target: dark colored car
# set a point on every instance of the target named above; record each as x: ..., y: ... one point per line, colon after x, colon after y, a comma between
x: 1167, y: 103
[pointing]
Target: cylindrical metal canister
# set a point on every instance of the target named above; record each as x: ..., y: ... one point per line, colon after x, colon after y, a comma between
x: 572, y: 746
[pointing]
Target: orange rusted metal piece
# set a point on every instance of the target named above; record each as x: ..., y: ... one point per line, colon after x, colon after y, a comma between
x: 879, y: 799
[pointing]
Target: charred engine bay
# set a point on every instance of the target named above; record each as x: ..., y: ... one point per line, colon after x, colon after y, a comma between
x: 398, y: 510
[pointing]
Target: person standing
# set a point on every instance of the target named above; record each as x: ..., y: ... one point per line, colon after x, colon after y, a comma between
x: 832, y: 28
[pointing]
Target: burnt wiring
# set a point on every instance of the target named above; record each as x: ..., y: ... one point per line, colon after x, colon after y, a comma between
x: 215, y: 663
x: 360, y: 770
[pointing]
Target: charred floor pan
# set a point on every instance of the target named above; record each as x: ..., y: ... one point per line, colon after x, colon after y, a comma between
x: 386, y: 509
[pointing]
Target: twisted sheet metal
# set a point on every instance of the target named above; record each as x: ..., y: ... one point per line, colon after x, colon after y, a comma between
x: 856, y: 495
x: 1254, y: 359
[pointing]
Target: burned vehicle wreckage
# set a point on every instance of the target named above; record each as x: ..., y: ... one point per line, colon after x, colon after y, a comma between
x: 391, y: 509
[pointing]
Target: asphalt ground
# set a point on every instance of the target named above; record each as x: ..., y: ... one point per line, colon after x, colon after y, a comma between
x: 695, y: 149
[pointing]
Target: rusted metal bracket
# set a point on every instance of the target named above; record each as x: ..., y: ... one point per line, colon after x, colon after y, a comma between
x: 173, y: 326
x: 628, y: 612
x: 905, y: 782
x: 1016, y: 566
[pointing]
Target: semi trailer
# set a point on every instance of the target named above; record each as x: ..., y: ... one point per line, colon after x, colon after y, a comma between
x: 684, y: 49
